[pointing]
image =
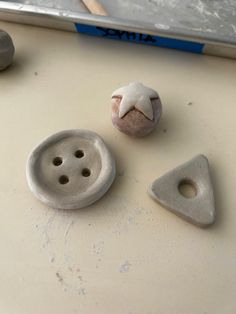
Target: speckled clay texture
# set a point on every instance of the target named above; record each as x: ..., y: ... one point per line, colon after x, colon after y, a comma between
x: 7, y: 50
x: 137, y: 120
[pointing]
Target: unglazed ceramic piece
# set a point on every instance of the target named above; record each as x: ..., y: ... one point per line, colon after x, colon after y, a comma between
x: 7, y: 50
x: 136, y: 109
x: 70, y: 169
x: 200, y: 209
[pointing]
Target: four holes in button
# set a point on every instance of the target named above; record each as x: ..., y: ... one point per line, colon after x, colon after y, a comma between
x: 57, y: 161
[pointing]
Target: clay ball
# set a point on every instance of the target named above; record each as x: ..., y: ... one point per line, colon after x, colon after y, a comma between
x: 7, y: 50
x: 136, y: 109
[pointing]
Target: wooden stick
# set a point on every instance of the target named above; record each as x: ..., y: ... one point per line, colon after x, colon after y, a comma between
x: 95, y: 7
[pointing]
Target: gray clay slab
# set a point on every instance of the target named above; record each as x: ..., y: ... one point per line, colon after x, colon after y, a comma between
x: 202, y: 16
x: 70, y: 169
x: 199, y: 210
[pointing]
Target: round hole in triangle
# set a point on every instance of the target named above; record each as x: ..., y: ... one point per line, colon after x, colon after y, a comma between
x: 187, y: 188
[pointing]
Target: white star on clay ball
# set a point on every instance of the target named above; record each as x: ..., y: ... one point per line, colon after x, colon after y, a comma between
x: 136, y: 96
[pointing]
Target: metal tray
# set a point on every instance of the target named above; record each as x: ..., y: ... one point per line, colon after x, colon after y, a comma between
x: 200, y: 26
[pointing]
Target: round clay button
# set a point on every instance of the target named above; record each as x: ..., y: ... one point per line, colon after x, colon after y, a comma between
x: 70, y: 169
x: 7, y: 50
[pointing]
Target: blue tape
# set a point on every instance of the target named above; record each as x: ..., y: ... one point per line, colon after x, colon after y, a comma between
x: 140, y: 38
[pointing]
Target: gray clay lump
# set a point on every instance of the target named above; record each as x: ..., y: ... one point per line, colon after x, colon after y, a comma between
x: 7, y: 50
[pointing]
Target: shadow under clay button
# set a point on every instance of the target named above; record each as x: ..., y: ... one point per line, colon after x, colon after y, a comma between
x: 70, y: 169
x: 7, y: 50
x: 136, y: 109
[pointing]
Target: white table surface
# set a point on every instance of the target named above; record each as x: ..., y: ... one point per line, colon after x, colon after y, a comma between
x: 125, y: 254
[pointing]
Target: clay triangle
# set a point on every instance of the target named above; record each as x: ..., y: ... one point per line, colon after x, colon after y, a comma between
x: 199, y: 210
